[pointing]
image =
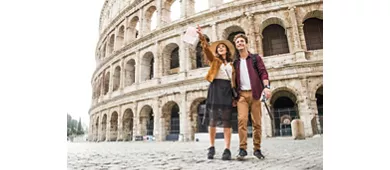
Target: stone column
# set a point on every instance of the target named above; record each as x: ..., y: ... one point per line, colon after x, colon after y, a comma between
x: 120, y: 125
x: 214, y: 34
x: 159, y: 13
x: 161, y: 121
x: 302, y: 36
x: 126, y: 32
x: 116, y: 46
x: 305, y: 113
x: 213, y: 4
x: 252, y: 33
x: 156, y: 118
x: 187, y: 8
x: 122, y: 75
x: 184, y: 116
x: 183, y: 56
x: 141, y: 21
x: 157, y: 72
x: 137, y: 66
x: 296, y: 43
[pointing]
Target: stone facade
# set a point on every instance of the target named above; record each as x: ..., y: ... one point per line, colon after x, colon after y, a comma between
x: 149, y: 82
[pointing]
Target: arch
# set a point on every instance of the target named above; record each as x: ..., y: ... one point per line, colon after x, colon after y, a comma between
x: 171, y: 57
x: 150, y: 16
x: 104, y: 127
x: 133, y: 28
x: 313, y: 31
x: 147, y: 120
x: 169, y: 14
x: 116, y: 78
x: 130, y: 72
x: 120, y: 37
x: 171, y: 120
x: 111, y: 44
x: 274, y: 40
x: 106, y: 82
x: 320, y: 102
x: 147, y: 66
x: 198, y: 59
x: 231, y: 31
x: 313, y: 14
x: 114, y: 126
x: 284, y: 110
x: 97, y: 129
x: 103, y: 53
x: 128, y: 124
x: 272, y: 20
x: 197, y: 110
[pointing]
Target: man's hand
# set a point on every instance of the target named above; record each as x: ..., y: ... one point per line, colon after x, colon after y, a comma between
x: 234, y: 103
x: 267, y: 93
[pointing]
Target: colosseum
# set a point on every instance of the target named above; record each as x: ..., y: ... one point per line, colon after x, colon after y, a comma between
x: 148, y: 82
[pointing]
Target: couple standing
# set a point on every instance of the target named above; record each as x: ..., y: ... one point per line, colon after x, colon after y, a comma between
x: 227, y: 71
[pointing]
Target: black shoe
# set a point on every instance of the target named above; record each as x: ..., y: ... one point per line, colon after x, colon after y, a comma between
x: 226, y: 155
x: 211, y: 153
x: 258, y: 154
x: 241, y: 155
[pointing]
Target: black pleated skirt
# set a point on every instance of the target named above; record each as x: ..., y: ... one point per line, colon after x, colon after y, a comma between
x: 219, y: 103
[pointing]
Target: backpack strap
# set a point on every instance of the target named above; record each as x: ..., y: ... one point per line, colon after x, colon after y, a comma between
x: 254, y: 62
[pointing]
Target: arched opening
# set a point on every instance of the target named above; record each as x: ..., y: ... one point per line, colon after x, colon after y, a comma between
x: 313, y: 30
x: 104, y: 126
x: 175, y: 58
x: 130, y: 72
x: 284, y: 109
x: 232, y: 31
x: 128, y: 125
x: 97, y: 129
x: 120, y: 37
x: 111, y: 44
x: 114, y: 126
x: 274, y: 40
x: 116, y: 78
x: 147, y: 66
x: 172, y: 10
x: 147, y: 120
x: 133, y: 28
x: 150, y: 13
x: 103, y: 55
x: 106, y: 83
x: 171, y: 121
x: 197, y: 111
x: 197, y: 56
x: 319, y: 97
x: 170, y: 57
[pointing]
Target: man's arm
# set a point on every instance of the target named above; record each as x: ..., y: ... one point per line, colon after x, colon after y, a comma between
x: 263, y: 71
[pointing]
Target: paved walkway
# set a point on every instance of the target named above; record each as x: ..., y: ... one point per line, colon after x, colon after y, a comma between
x: 280, y: 153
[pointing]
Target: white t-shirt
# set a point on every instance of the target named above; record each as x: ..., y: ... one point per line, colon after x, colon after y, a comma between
x: 244, y: 76
x: 222, y: 73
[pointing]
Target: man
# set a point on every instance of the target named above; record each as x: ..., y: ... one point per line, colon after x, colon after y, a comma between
x: 250, y: 90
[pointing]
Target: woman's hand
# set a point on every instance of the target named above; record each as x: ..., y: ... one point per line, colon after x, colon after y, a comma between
x: 199, y: 31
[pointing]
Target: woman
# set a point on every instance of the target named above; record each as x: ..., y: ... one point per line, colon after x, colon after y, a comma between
x: 219, y: 98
